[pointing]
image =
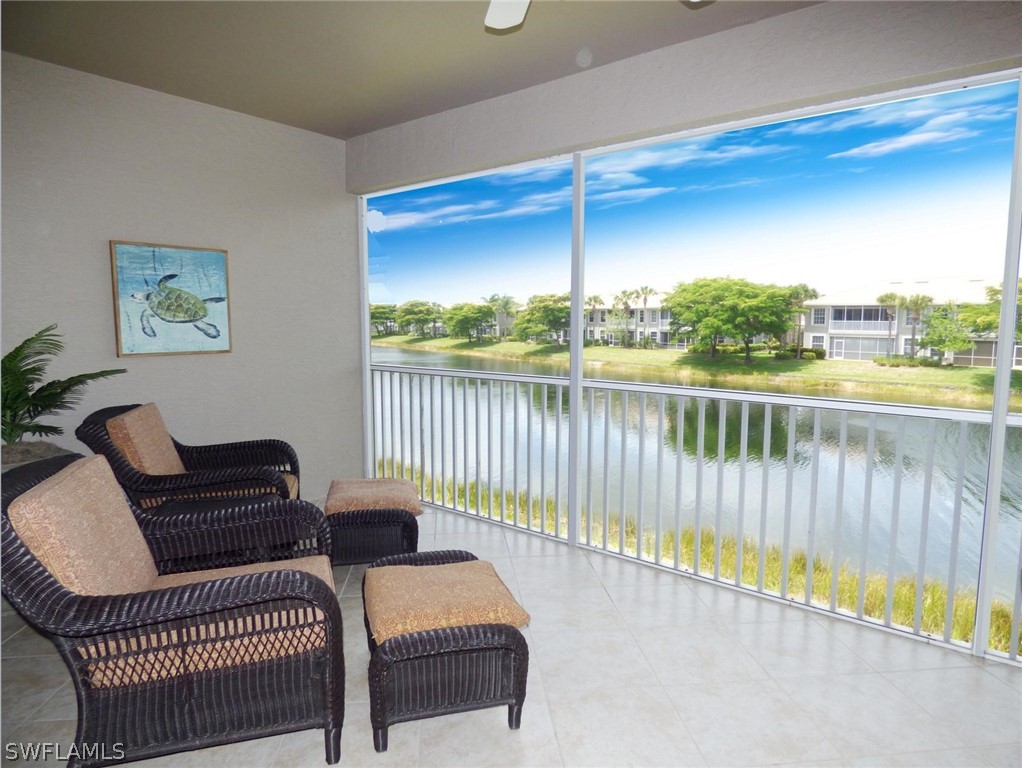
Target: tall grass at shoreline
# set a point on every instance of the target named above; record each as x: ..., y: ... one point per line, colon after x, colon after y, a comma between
x: 543, y: 515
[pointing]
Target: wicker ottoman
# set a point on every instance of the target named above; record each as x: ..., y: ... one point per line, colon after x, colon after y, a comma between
x: 455, y: 668
x: 370, y: 519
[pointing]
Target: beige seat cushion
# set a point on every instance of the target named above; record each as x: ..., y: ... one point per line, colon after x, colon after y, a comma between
x: 79, y: 526
x: 230, y: 643
x: 142, y: 437
x: 292, y: 485
x: 410, y: 598
x: 376, y: 493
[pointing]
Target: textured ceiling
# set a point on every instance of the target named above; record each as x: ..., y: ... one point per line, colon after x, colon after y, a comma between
x: 350, y: 67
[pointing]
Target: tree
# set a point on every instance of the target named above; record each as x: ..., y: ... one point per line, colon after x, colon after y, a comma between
x: 944, y: 331
x: 644, y: 293
x: 986, y: 318
x: 725, y: 306
x: 624, y: 301
x: 757, y: 310
x: 544, y: 313
x: 463, y: 320
x: 915, y: 305
x: 417, y: 315
x: 799, y: 295
x: 889, y: 303
x: 504, y: 307
x: 381, y: 316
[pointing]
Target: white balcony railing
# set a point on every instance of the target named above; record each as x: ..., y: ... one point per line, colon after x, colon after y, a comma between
x: 860, y: 326
x: 869, y: 511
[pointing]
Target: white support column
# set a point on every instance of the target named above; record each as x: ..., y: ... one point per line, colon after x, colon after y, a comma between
x: 1002, y: 383
x: 368, y: 449
x: 576, y: 346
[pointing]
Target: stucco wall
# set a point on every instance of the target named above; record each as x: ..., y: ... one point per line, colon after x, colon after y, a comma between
x: 87, y: 160
x: 814, y: 56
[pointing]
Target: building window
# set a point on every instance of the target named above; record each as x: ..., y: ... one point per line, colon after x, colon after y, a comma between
x: 819, y: 315
x: 653, y: 316
x: 603, y: 315
x: 816, y: 342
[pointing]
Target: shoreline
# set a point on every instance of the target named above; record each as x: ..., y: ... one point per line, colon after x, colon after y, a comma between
x: 956, y: 387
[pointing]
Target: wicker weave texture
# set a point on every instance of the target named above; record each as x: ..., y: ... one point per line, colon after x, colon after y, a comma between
x: 219, y: 471
x: 190, y: 666
x: 444, y: 671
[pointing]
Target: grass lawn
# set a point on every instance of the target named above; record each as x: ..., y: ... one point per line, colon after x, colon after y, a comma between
x: 955, y: 386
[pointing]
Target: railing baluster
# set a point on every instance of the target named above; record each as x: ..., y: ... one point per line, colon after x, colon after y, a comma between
x: 743, y: 457
x: 842, y: 452
x: 866, y: 507
x: 465, y: 446
x: 956, y: 526
x: 1016, y: 611
x: 658, y: 533
x: 764, y: 494
x: 718, y: 518
x: 622, y: 508
x: 515, y: 447
x: 899, y: 458
x: 422, y: 438
x: 924, y: 527
x: 503, y: 440
x: 454, y: 442
x: 679, y: 448
x: 559, y: 390
x: 478, y: 454
x: 528, y: 456
x: 400, y: 422
x: 394, y: 450
x: 606, y: 468
x: 490, y: 488
x: 434, y: 434
x: 789, y: 478
x: 590, y: 399
x: 542, y: 458
x: 813, y: 490
x: 639, y: 521
x: 700, y: 454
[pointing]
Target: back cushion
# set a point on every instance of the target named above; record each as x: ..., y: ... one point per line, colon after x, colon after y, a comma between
x: 142, y: 437
x: 80, y: 527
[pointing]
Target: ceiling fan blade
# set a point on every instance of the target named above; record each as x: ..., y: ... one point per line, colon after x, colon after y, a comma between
x: 505, y: 14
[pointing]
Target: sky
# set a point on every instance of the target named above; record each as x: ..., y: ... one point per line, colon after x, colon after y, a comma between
x: 904, y: 190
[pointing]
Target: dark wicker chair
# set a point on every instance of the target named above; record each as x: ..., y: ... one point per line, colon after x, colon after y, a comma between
x: 443, y: 671
x: 189, y: 665
x: 225, y: 470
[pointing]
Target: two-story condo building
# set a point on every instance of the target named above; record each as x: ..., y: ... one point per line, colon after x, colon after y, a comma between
x: 851, y: 325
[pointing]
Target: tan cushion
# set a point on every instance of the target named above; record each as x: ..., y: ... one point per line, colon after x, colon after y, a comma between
x: 142, y: 437
x: 79, y: 526
x: 292, y: 485
x: 377, y: 493
x: 317, y: 565
x: 245, y: 640
x: 411, y: 598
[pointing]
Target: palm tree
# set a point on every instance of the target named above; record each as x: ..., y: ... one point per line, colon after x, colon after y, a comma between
x: 915, y: 305
x: 644, y: 293
x: 800, y: 294
x: 624, y: 300
x: 504, y: 307
x: 890, y: 302
x: 593, y: 302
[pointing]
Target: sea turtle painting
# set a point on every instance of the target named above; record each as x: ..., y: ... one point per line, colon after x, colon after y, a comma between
x: 175, y: 305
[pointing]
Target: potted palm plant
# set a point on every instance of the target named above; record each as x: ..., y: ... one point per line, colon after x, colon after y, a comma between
x: 26, y: 399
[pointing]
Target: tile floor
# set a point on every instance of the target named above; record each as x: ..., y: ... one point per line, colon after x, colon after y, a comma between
x: 629, y: 666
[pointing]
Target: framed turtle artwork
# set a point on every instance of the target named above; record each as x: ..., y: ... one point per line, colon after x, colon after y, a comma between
x: 170, y: 299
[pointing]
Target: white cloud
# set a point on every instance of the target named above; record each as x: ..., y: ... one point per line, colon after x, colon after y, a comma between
x: 696, y: 152
x: 628, y: 196
x: 614, y: 180
x: 431, y: 217
x: 905, y: 141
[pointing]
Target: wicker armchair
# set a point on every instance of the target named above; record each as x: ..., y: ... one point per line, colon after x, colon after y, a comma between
x: 186, y: 472
x: 164, y: 663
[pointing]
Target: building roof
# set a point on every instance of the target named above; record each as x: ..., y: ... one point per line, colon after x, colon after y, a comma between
x: 958, y: 290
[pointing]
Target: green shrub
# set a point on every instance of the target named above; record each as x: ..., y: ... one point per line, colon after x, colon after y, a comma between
x: 784, y: 355
x: 807, y: 355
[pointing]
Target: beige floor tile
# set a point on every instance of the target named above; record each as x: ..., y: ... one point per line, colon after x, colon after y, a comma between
x: 798, y: 648
x: 863, y: 715
x: 613, y: 726
x: 36, y: 743
x: 664, y: 604
x: 484, y: 545
x: 554, y: 574
x: 27, y: 642
x: 749, y: 723
x: 702, y: 651
x: 553, y: 611
x: 977, y: 708
x: 577, y: 661
x: 253, y: 753
x: 28, y: 682
x: 887, y: 651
